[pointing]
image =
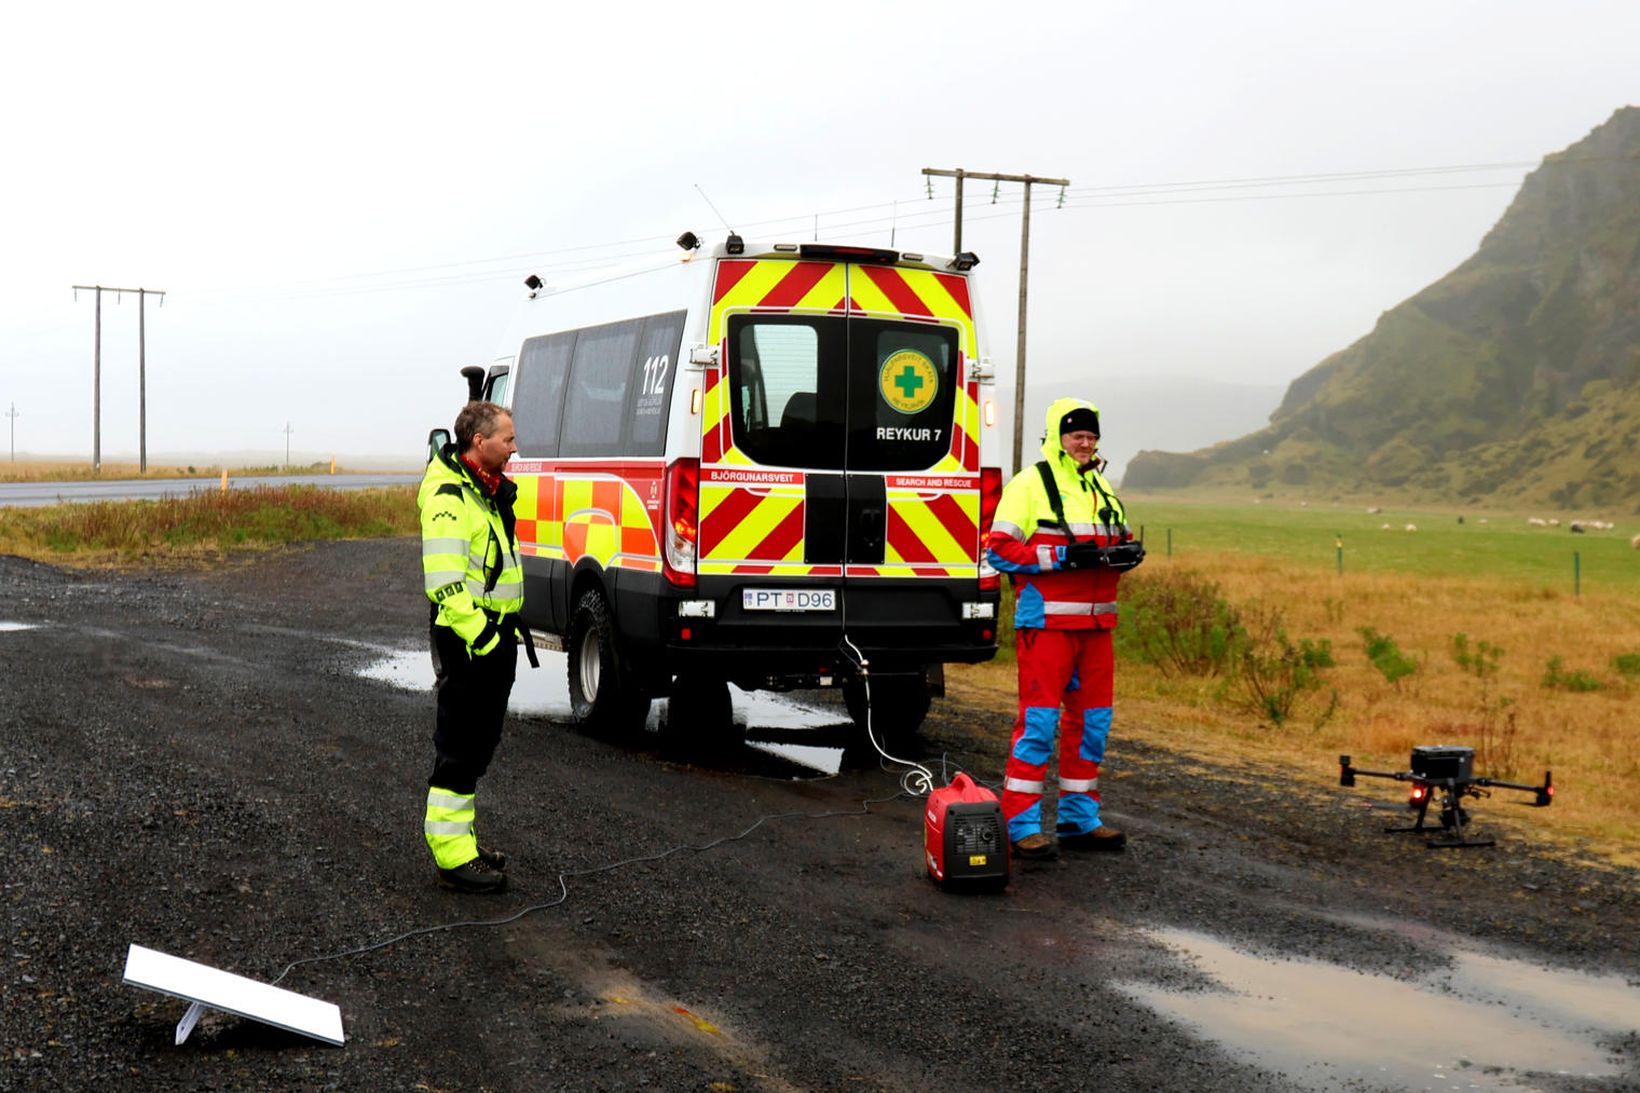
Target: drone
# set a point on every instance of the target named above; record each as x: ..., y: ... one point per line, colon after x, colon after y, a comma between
x: 1448, y: 771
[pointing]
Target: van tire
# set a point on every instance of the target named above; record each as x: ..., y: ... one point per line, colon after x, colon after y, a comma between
x: 699, y: 710
x: 604, y: 697
x: 898, y: 705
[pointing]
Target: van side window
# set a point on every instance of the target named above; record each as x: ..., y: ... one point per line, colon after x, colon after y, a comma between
x: 499, y: 389
x: 538, y: 393
x: 595, y: 407
x: 656, y: 364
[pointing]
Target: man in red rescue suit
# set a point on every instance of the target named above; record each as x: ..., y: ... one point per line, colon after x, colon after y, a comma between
x: 1064, y: 551
x: 472, y: 576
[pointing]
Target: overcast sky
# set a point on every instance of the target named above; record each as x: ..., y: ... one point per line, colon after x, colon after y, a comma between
x: 341, y: 199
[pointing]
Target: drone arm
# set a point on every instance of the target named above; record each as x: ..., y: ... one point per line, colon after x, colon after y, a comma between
x: 1545, y: 792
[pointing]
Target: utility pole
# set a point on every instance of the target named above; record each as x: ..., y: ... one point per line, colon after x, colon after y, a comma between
x: 12, y: 413
x: 287, y: 445
x: 1024, y: 266
x: 142, y: 295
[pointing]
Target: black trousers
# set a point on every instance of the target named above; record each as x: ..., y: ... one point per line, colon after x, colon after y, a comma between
x: 472, y: 695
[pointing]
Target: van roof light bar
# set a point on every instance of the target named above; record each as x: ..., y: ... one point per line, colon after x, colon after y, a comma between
x: 826, y: 251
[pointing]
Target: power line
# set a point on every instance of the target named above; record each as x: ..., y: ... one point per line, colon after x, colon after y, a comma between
x: 895, y: 217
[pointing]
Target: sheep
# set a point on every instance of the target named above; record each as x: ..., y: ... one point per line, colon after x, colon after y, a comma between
x: 1374, y: 510
x: 1635, y: 542
x: 1384, y: 527
x: 1412, y: 527
x: 1575, y: 527
x: 1554, y: 521
x: 1537, y: 521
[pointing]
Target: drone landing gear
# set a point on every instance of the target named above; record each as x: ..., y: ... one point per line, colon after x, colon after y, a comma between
x: 1453, y: 818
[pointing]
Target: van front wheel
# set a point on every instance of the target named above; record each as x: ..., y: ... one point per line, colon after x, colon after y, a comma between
x: 603, y: 696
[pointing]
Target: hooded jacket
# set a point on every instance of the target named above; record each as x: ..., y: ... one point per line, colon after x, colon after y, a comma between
x: 469, y: 555
x: 1027, y: 543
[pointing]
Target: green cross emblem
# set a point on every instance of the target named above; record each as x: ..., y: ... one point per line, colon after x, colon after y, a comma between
x: 908, y: 382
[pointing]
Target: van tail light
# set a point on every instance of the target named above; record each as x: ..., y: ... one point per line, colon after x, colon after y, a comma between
x: 682, y: 520
x: 990, y: 493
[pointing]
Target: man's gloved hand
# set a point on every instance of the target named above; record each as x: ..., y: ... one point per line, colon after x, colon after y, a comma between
x: 489, y: 639
x: 1083, y: 555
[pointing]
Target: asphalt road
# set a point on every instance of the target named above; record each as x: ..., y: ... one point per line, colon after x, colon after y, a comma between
x: 33, y: 494
x: 194, y: 763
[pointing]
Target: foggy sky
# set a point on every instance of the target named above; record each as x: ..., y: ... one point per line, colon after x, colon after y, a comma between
x: 341, y: 200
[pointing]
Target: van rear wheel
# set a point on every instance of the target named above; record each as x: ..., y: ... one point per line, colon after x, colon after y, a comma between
x: 699, y: 710
x: 898, y: 705
x: 604, y: 696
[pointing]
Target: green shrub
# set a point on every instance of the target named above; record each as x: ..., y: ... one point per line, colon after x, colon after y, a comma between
x: 1273, y: 671
x: 1627, y: 665
x: 1556, y: 677
x: 1386, y: 656
x: 1481, y: 659
x: 1177, y: 621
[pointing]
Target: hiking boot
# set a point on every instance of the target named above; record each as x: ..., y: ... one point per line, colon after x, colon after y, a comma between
x: 474, y: 876
x: 495, y: 859
x: 1036, y: 847
x: 1103, y: 837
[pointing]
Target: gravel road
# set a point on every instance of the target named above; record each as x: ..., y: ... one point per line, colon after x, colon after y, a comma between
x: 190, y: 762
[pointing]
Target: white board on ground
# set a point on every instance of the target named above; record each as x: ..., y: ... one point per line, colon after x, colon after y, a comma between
x: 213, y: 988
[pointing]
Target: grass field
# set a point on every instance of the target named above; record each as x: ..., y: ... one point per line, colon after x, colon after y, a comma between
x: 64, y: 470
x: 1501, y: 583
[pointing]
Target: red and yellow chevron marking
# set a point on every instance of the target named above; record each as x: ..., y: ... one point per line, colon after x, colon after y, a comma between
x: 571, y: 517
x: 752, y: 529
x: 747, y: 528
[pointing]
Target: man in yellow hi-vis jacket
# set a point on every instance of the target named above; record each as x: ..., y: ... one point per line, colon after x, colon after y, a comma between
x: 469, y: 558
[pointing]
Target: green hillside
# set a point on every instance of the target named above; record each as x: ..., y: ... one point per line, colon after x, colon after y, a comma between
x: 1515, y: 378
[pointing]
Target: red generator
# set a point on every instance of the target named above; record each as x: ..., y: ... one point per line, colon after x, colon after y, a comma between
x: 965, y: 840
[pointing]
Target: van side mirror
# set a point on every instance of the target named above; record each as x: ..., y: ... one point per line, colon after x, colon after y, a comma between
x: 436, y: 440
x: 475, y: 382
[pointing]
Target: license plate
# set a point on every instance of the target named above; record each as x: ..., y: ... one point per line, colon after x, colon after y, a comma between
x: 788, y: 599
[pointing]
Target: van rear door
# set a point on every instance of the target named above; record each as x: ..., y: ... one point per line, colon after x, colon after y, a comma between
x: 840, y: 453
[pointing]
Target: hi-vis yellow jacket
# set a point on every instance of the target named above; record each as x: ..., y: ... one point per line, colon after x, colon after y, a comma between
x: 1027, y: 543
x: 469, y: 555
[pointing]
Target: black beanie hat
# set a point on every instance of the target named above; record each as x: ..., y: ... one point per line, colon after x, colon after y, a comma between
x: 1078, y: 420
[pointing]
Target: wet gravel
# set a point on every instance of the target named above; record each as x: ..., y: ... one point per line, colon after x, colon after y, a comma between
x: 189, y: 761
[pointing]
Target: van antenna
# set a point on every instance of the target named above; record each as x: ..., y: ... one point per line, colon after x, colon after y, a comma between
x: 714, y: 208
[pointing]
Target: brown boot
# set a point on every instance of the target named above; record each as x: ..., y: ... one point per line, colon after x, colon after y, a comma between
x: 1103, y: 837
x: 1036, y: 847
x: 473, y: 876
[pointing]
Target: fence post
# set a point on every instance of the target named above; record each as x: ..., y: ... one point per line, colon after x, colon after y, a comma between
x: 1170, y: 542
x: 1338, y: 544
x: 1577, y: 573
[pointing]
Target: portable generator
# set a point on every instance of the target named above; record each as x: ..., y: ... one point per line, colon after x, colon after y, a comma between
x: 965, y: 841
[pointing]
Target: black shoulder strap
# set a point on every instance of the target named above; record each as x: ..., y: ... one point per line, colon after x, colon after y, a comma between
x: 448, y: 487
x: 1052, y: 488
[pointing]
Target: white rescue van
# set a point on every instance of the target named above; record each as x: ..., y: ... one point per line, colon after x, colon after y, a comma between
x: 755, y: 464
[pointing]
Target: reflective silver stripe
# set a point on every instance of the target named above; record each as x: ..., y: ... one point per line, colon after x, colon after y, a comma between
x: 449, y: 545
x: 1065, y: 607
x: 436, y: 799
x: 1085, y: 530
x: 476, y: 561
x: 1079, y: 785
x: 506, y: 591
x: 438, y: 578
x: 1020, y: 785
x: 443, y: 827
x: 1012, y: 531
x: 1045, y: 557
x: 1049, y: 531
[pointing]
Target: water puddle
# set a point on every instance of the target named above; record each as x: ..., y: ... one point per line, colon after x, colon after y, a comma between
x: 544, y: 692
x: 4, y: 625
x: 1483, y: 1023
